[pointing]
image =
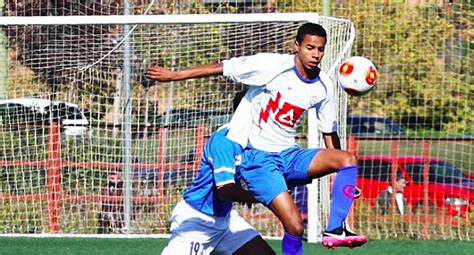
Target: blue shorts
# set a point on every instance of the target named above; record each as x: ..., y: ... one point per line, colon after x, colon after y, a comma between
x: 267, y: 174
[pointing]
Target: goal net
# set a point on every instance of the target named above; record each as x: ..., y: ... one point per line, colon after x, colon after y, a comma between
x: 88, y: 145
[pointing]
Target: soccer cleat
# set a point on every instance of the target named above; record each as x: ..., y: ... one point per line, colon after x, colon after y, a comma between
x: 344, y: 237
x: 354, y: 239
x: 334, y: 238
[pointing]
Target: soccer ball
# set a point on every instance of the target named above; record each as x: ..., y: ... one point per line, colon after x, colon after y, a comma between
x: 357, y: 76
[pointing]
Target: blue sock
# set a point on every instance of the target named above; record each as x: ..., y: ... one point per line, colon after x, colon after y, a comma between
x: 292, y: 245
x: 342, y: 196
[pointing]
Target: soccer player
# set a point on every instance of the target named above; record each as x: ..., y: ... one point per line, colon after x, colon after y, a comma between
x: 273, y: 162
x: 203, y: 221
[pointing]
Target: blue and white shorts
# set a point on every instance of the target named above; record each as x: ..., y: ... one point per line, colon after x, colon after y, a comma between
x: 267, y: 174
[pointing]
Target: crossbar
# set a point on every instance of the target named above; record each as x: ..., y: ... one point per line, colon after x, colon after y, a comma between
x: 157, y: 19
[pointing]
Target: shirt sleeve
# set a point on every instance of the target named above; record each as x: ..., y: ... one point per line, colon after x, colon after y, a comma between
x: 327, y: 109
x: 256, y: 70
x: 222, y: 153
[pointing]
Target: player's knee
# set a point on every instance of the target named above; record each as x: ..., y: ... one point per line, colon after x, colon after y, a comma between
x: 295, y: 228
x: 349, y: 159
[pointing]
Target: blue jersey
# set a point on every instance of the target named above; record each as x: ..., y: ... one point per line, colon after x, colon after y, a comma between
x: 218, y: 161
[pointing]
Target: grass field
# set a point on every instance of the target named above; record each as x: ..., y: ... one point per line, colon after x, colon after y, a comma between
x: 103, y: 246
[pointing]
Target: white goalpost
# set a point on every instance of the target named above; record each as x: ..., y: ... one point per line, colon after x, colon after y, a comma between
x: 74, y: 164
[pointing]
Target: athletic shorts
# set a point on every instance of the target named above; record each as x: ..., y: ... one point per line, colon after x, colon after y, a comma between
x: 193, y: 232
x: 267, y: 174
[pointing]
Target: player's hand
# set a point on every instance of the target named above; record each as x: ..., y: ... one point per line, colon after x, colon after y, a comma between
x: 160, y: 74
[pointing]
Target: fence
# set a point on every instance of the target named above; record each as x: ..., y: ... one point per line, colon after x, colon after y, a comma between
x: 423, y: 50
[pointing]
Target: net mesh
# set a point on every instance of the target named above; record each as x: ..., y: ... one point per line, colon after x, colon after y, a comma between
x: 422, y: 49
x: 62, y: 126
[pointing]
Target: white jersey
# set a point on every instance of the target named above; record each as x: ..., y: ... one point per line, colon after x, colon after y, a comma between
x: 286, y: 96
x: 241, y: 122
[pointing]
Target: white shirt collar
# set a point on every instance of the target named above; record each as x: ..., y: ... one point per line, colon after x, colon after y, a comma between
x: 398, y: 199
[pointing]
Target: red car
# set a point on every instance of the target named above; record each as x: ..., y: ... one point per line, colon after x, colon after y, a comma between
x: 449, y: 189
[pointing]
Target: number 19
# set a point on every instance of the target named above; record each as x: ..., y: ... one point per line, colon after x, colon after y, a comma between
x: 195, y: 247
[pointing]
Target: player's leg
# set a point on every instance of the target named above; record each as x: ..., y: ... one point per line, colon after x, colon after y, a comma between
x: 263, y: 175
x: 320, y: 163
x: 285, y: 209
x: 242, y: 239
x: 327, y: 161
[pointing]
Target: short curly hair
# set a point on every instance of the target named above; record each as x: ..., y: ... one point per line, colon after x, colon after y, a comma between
x: 310, y: 29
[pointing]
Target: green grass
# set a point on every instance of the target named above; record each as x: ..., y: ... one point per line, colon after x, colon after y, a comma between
x: 99, y: 246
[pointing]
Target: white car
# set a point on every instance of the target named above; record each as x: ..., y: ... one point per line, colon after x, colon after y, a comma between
x: 20, y: 110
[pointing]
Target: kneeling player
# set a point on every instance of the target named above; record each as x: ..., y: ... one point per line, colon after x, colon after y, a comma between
x: 203, y: 221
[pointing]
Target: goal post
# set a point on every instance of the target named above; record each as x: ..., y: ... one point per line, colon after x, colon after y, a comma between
x: 70, y: 70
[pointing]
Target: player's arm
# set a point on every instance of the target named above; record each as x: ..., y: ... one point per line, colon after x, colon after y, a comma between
x: 222, y: 155
x: 163, y: 74
x: 235, y: 193
x: 332, y: 140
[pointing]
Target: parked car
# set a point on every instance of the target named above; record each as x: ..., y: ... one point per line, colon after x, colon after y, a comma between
x: 449, y: 188
x: 36, y: 110
x: 360, y: 125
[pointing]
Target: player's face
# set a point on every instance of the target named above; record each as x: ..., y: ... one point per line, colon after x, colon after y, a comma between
x: 310, y: 51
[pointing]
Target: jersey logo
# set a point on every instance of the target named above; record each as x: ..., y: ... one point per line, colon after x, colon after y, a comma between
x: 287, y: 115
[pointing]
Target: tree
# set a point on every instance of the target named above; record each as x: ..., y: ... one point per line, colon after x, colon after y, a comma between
x: 56, y: 53
x: 409, y: 45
